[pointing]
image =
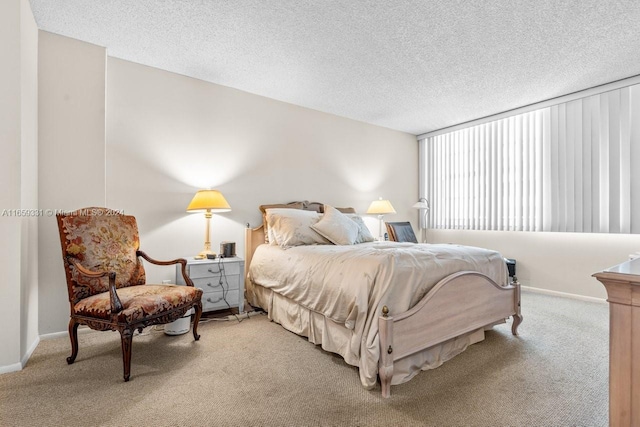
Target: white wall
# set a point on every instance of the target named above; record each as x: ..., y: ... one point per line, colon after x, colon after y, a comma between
x: 170, y: 135
x: 29, y: 181
x: 559, y: 262
x: 10, y: 128
x: 18, y: 136
x: 71, y: 79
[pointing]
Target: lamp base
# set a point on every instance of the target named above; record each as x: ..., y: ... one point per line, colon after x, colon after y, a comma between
x: 423, y: 235
x: 207, y: 253
x: 380, y: 221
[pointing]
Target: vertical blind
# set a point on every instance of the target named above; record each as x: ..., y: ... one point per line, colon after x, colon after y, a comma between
x: 574, y: 167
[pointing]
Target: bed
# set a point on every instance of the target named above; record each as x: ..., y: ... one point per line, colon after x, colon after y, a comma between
x: 390, y: 308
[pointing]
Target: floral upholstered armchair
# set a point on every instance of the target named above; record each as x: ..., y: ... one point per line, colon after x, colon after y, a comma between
x: 106, y: 279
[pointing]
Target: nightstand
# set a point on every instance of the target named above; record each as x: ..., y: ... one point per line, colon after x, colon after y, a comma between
x: 221, y: 280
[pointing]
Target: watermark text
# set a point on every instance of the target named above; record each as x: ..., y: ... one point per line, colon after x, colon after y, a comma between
x: 53, y: 212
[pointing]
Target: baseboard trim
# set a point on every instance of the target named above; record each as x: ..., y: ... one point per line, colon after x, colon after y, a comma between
x: 53, y: 335
x: 30, y: 351
x: 563, y: 294
x: 82, y: 329
x: 23, y: 362
x: 10, y: 368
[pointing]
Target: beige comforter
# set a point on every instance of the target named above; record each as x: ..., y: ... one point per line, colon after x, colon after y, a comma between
x: 351, y: 284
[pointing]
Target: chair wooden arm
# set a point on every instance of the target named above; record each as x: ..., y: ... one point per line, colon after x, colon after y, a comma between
x: 181, y: 261
x: 116, y: 305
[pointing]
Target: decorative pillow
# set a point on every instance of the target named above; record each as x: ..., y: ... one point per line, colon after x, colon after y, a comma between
x: 338, y: 228
x: 292, y: 227
x: 364, y: 235
x: 347, y: 210
x: 313, y: 206
x: 263, y: 209
x: 319, y: 207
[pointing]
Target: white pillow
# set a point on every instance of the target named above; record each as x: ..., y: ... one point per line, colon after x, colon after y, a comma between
x: 364, y: 235
x: 292, y: 227
x: 337, y: 227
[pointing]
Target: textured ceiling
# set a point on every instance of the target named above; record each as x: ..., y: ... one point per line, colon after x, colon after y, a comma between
x: 414, y: 66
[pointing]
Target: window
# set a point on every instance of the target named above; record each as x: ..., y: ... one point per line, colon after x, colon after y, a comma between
x: 574, y: 166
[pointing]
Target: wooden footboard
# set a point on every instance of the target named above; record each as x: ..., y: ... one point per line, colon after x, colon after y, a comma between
x: 459, y: 303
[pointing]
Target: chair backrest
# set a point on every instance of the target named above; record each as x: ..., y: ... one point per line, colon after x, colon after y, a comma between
x: 99, y: 239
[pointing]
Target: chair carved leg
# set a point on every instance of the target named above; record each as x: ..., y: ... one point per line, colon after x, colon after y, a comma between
x: 196, y: 320
x: 73, y: 336
x: 126, y: 337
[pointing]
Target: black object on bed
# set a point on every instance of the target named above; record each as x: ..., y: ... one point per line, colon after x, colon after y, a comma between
x: 401, y: 232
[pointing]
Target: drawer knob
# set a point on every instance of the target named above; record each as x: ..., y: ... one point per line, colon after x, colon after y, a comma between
x: 210, y: 270
x: 214, y: 286
x: 213, y: 302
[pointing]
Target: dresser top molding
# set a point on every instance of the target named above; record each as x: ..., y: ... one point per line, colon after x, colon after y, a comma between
x: 622, y: 282
x: 627, y: 269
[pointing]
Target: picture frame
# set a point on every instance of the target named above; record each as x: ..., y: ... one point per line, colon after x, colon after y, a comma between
x: 401, y: 232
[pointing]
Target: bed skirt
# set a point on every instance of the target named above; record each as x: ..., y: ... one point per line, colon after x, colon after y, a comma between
x: 336, y: 338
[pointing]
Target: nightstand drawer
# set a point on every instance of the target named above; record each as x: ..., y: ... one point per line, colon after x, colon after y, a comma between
x: 210, y: 284
x: 215, y: 300
x: 214, y: 276
x: 213, y: 269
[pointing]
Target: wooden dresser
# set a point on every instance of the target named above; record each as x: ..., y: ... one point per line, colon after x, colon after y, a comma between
x: 623, y: 290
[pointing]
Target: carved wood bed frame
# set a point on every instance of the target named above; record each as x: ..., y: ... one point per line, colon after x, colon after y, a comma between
x: 460, y: 303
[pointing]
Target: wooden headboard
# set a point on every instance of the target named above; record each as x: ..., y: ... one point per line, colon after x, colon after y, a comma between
x: 254, y: 237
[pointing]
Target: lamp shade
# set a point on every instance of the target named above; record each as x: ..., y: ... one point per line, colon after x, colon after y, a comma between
x: 381, y: 207
x: 208, y: 200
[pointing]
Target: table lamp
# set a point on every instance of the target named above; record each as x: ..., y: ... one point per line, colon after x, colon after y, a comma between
x: 423, y: 204
x: 381, y: 208
x: 208, y: 201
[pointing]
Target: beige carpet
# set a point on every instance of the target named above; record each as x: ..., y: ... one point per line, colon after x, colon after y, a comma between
x: 255, y: 373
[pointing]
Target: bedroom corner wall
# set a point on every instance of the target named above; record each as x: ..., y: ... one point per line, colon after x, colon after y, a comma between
x: 29, y: 182
x: 71, y: 79
x: 169, y: 135
x: 18, y: 164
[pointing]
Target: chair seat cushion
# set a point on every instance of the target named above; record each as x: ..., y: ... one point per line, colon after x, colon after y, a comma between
x: 138, y: 301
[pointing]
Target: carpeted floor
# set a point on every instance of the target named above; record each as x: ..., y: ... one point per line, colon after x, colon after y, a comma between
x: 255, y: 373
